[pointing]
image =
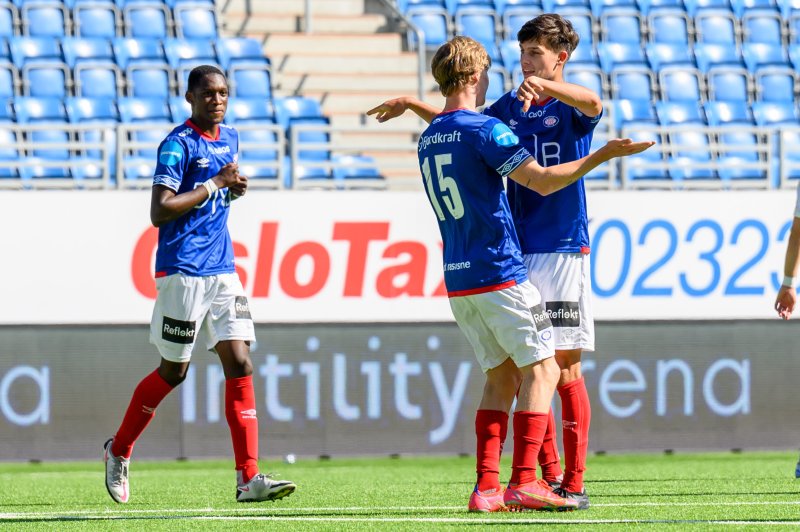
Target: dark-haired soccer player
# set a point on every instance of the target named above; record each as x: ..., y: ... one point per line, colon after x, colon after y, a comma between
x: 463, y: 157
x: 554, y: 121
x: 195, y: 180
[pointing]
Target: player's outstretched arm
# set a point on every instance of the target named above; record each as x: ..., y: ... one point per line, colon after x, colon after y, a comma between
x: 553, y: 178
x: 396, y: 107
x: 166, y: 205
x: 787, y: 295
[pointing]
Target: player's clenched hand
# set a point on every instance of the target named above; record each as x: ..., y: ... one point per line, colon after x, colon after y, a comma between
x: 529, y: 91
x: 624, y: 147
x: 388, y: 109
x: 785, y: 302
x: 229, y: 176
x: 239, y: 188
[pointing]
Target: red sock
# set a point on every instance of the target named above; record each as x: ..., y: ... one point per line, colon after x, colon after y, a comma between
x: 240, y: 411
x: 490, y: 428
x: 549, y: 460
x: 142, y: 408
x: 576, y: 414
x: 529, y: 428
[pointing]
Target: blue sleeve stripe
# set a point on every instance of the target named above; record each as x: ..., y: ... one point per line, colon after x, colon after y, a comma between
x: 513, y: 162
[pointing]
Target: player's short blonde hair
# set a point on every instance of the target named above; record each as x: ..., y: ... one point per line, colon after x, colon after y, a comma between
x: 455, y: 61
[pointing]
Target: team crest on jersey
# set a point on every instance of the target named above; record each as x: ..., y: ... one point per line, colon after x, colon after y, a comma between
x: 170, y: 154
x: 503, y: 136
x: 550, y: 121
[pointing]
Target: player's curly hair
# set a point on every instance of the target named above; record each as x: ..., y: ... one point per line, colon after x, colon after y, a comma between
x: 551, y: 30
x: 455, y: 61
x: 199, y: 72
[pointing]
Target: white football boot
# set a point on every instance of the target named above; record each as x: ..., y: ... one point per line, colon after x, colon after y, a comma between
x: 116, y: 474
x: 262, y: 488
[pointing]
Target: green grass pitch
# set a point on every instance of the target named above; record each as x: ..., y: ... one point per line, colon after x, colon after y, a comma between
x: 638, y: 491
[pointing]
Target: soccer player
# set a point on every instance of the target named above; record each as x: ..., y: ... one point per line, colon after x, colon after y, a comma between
x: 554, y: 121
x: 463, y: 156
x: 786, y: 299
x: 196, y: 178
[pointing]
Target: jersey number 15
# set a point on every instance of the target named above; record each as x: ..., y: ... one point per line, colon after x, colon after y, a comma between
x: 448, y: 188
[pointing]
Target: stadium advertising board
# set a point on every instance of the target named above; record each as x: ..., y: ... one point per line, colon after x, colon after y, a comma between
x: 394, y: 388
x: 376, y: 256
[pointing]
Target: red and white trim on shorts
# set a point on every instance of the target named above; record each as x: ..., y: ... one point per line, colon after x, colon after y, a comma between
x: 482, y: 289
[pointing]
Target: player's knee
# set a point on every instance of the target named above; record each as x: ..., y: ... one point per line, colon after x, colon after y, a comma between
x: 173, y: 376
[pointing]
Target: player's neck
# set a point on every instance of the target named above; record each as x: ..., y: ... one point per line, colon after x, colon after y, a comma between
x: 461, y: 100
x: 209, y: 129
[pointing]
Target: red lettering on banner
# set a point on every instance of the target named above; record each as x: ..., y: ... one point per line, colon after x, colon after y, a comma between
x: 142, y: 263
x: 319, y: 273
x: 414, y: 270
x: 240, y: 251
x: 265, y: 259
x: 359, y: 234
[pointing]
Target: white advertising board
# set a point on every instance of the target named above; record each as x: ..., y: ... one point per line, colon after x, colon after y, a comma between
x: 87, y: 257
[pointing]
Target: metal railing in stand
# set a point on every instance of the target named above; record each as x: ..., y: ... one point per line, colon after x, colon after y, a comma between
x: 421, y: 55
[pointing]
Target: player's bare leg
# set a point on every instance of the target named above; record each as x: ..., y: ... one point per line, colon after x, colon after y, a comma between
x: 491, y: 426
x: 575, y: 421
x: 240, y: 412
x: 525, y: 491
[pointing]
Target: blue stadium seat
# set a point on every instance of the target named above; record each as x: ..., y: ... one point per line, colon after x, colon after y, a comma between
x: 250, y: 79
x: 129, y: 49
x: 180, y: 52
x: 404, y: 5
x: 679, y: 112
x: 478, y: 22
x: 693, y: 6
x: 27, y: 49
x: 775, y: 84
x: 621, y: 25
x: 195, y: 20
x: 655, y: 157
x: 41, y: 65
x: 582, y: 22
x: 82, y: 109
x: 556, y: 6
x: 717, y: 26
x: 434, y: 23
x: 231, y: 50
x: 181, y: 110
x: 356, y: 168
x: 738, y: 148
x: 497, y: 84
x: 146, y: 69
x: 260, y: 149
x: 102, y: 113
x: 710, y: 55
x: 722, y: 113
x: 670, y: 25
x: 147, y: 20
x: 44, y: 18
x: 681, y: 84
x: 615, y: 54
x: 729, y: 84
x: 757, y: 55
x: 510, y: 54
x: 290, y: 107
x: 9, y: 19
x: 8, y: 152
x: 311, y: 136
x: 763, y: 25
x: 600, y: 6
x: 774, y: 113
x: 589, y: 76
x: 36, y: 109
x: 584, y: 53
x: 96, y: 18
x: 661, y: 54
x: 92, y: 61
x: 30, y: 110
x: 632, y: 82
x: 741, y: 6
x: 627, y: 112
x: 513, y: 14
x: 246, y: 110
x: 645, y: 6
x: 143, y: 109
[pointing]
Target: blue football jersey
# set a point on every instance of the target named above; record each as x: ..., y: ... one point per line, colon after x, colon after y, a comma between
x: 197, y: 243
x: 554, y: 133
x: 462, y: 156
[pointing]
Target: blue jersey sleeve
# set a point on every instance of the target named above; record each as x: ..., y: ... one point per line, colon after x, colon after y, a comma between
x: 173, y: 161
x: 501, y: 148
x: 585, y: 123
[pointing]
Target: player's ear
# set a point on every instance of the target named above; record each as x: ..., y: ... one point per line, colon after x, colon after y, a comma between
x: 189, y: 97
x: 563, y: 55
